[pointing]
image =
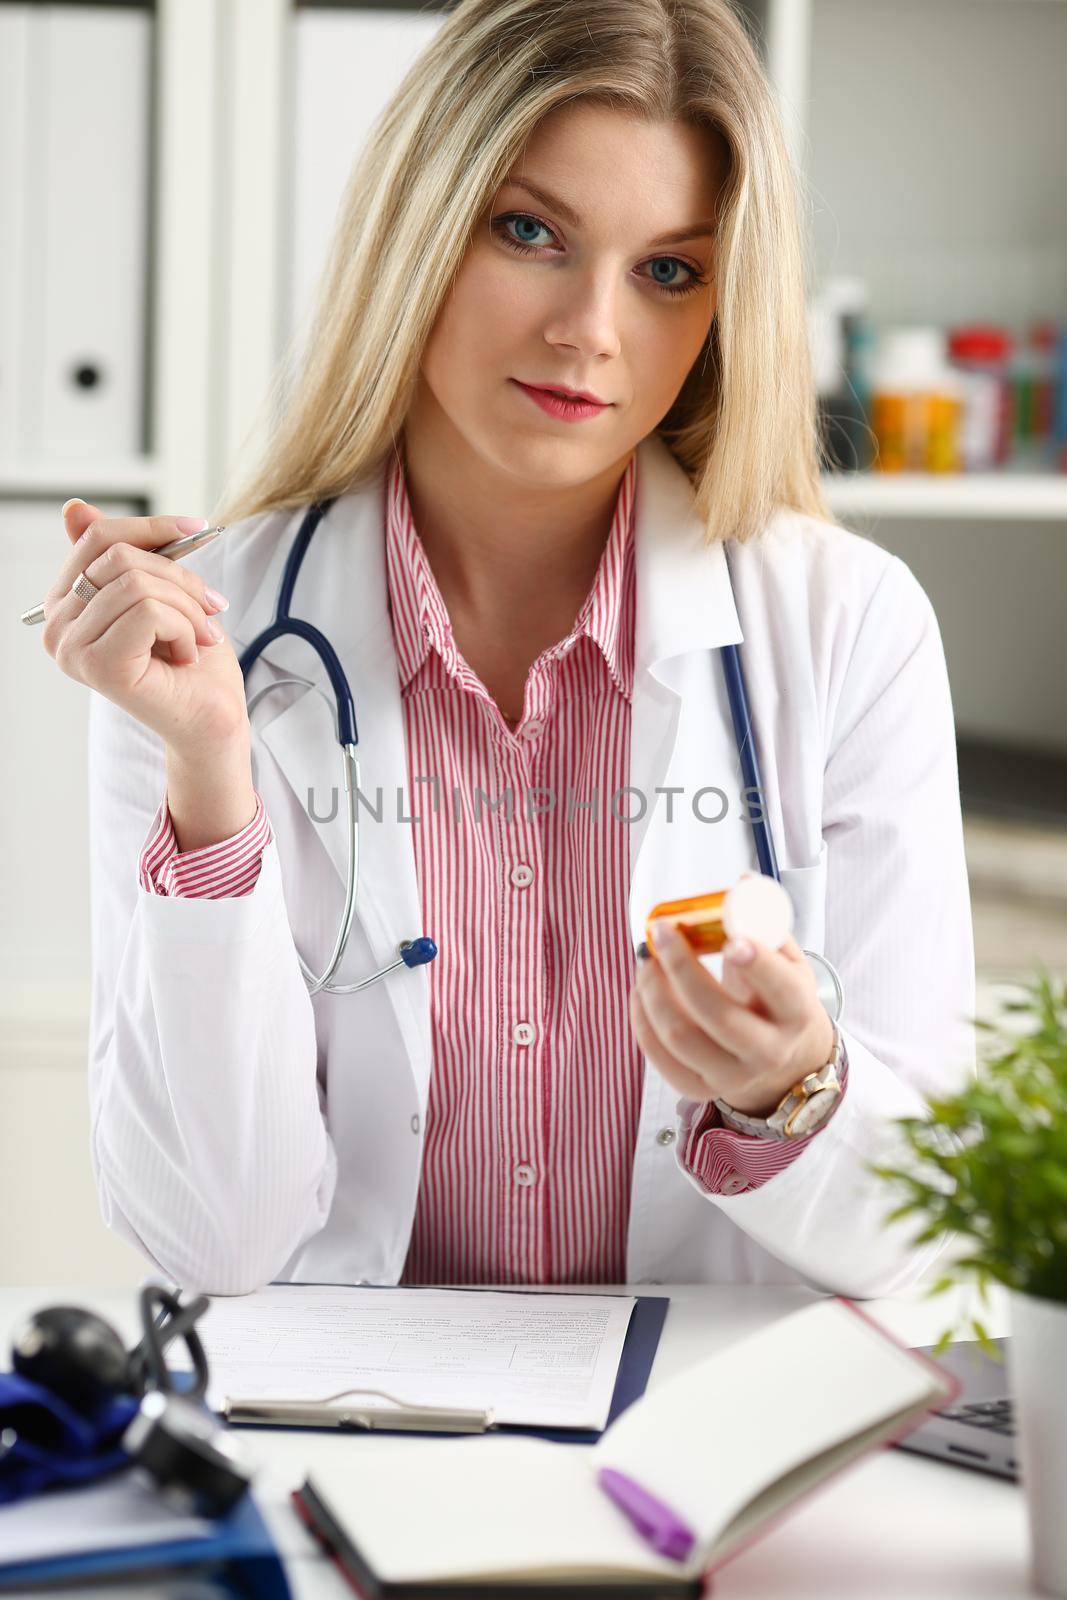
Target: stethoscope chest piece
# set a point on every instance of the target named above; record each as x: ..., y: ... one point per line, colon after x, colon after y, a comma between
x: 195, y: 1465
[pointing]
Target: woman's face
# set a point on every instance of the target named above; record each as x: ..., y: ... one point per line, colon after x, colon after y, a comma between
x: 602, y: 280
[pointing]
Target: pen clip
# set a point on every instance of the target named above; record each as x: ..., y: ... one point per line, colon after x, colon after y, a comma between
x: 654, y: 1520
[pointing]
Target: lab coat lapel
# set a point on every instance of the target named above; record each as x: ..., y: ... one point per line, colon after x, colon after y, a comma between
x: 681, y: 739
x: 342, y: 590
x: 681, y: 735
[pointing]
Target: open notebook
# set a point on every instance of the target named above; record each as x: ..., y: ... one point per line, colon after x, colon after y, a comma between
x: 726, y: 1445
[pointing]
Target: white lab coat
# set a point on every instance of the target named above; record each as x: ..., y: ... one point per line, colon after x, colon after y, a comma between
x: 243, y: 1132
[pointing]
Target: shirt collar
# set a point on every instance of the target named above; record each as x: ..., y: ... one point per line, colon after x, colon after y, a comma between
x: 683, y: 598
x: 420, y: 618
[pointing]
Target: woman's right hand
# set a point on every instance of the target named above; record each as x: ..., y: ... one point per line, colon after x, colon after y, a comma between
x: 137, y: 641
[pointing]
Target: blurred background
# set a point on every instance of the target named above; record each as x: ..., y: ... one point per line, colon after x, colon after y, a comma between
x: 169, y: 176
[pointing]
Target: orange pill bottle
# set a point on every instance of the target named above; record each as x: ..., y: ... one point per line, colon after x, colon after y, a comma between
x: 755, y: 907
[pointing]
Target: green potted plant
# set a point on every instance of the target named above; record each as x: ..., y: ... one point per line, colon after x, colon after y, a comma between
x: 989, y: 1164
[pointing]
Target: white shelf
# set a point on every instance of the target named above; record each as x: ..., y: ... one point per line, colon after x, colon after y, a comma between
x: 990, y: 495
x: 137, y: 475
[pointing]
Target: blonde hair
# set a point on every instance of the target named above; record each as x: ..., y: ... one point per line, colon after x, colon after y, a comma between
x: 743, y: 425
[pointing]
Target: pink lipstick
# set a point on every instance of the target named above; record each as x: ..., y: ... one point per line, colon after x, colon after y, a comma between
x: 561, y: 404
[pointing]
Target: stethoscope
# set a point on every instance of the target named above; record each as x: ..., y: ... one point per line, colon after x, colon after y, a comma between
x: 70, y: 1357
x: 416, y: 952
x: 411, y: 952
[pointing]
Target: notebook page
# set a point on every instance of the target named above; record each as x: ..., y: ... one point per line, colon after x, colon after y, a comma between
x: 789, y: 1488
x: 717, y: 1435
x: 424, y: 1509
x: 537, y: 1359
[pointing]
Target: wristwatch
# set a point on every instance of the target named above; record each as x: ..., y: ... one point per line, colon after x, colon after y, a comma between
x: 801, y: 1110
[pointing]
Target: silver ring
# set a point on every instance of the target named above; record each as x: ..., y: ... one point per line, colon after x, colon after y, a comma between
x: 84, y: 587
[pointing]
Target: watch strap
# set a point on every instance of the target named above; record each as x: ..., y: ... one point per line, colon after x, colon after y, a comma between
x: 802, y: 1109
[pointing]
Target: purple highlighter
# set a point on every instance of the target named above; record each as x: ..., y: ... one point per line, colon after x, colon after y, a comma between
x: 657, y: 1524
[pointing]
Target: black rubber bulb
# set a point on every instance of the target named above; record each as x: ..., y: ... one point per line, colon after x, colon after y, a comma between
x: 75, y: 1353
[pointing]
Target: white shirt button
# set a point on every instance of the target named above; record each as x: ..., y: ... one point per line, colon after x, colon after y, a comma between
x: 734, y: 1184
x: 665, y: 1136
x: 415, y: 1123
x: 524, y: 1033
x: 521, y: 875
x: 524, y: 1174
x: 533, y: 728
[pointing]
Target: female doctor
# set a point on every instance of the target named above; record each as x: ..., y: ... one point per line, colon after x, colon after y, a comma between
x: 529, y: 597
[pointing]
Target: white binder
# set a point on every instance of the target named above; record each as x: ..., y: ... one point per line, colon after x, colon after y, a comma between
x: 80, y: 369
x: 14, y: 256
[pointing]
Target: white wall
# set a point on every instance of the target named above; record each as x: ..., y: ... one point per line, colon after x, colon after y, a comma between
x: 936, y: 136
x: 999, y: 591
x: 50, y: 1224
x: 51, y: 1230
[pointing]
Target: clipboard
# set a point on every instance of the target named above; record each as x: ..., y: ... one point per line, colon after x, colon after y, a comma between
x: 635, y: 1364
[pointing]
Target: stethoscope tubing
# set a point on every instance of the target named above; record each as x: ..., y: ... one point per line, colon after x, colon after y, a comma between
x: 730, y: 656
x: 827, y: 979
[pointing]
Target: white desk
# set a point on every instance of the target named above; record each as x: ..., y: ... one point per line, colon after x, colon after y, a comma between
x: 894, y: 1527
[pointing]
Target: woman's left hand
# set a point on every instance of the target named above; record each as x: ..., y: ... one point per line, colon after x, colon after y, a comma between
x: 746, y: 1040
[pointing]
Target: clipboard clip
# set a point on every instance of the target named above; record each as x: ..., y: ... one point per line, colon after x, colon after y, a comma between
x: 325, y: 1413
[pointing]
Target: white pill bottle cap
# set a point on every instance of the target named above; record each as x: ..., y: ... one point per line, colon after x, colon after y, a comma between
x: 757, y: 907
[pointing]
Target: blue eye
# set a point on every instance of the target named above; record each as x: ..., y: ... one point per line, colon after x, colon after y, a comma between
x: 521, y: 219
x: 525, y: 247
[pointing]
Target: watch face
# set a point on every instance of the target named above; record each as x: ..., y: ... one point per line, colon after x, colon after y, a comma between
x: 812, y: 1112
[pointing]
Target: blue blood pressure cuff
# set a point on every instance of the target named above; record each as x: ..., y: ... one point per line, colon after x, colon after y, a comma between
x: 45, y: 1442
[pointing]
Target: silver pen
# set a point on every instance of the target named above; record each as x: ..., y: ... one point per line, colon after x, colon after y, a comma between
x: 173, y: 552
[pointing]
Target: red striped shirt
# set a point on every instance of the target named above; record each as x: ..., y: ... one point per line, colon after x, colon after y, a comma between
x: 523, y: 876
x: 536, y: 1081
x: 215, y: 870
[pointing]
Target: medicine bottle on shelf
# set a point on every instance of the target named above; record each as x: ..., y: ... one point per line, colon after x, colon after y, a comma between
x: 981, y: 352
x: 1032, y: 375
x: 840, y: 338
x: 916, y: 403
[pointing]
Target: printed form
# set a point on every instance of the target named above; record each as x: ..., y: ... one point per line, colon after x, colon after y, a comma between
x: 537, y: 1359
